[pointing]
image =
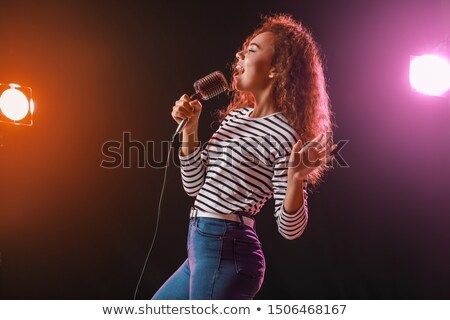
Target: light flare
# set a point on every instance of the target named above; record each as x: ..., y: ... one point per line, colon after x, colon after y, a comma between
x: 430, y: 75
x: 14, y: 104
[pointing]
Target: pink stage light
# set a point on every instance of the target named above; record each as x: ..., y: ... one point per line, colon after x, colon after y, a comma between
x: 430, y: 75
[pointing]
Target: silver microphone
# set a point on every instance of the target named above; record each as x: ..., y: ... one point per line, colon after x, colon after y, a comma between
x: 206, y: 88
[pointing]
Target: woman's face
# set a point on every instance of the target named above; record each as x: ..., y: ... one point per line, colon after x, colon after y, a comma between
x: 254, y: 65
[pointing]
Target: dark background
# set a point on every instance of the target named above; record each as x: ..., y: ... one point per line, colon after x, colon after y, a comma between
x: 70, y: 229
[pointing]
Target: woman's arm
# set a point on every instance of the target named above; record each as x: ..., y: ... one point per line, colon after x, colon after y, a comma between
x: 290, y: 182
x: 189, y: 140
x: 191, y: 159
x: 291, y: 208
x: 294, y: 199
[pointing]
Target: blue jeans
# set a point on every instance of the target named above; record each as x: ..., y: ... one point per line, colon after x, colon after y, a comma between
x: 225, y: 261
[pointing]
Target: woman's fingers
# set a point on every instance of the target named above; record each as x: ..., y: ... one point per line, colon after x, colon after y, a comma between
x: 333, y: 147
x: 316, y: 142
x: 195, y: 105
x: 176, y: 116
x: 181, y: 112
x: 297, y: 146
x: 318, y: 139
x: 185, y: 98
x: 314, y: 154
x: 328, y: 160
x: 327, y: 151
x: 185, y: 108
x: 184, y: 105
x: 322, y: 144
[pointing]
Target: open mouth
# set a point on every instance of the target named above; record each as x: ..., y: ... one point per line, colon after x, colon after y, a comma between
x: 240, y: 69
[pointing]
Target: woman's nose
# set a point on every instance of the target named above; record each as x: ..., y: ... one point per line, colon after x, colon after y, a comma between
x: 240, y: 55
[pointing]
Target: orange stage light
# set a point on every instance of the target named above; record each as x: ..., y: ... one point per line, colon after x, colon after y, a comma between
x: 16, y: 104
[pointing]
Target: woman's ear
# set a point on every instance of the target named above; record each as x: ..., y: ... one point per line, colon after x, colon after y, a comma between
x: 273, y: 72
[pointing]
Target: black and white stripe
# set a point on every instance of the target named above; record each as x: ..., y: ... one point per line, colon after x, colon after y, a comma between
x: 243, y: 165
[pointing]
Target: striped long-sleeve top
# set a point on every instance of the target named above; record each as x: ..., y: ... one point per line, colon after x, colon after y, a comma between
x: 243, y: 165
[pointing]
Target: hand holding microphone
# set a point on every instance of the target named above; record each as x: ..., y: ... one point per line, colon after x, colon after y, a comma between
x: 187, y: 109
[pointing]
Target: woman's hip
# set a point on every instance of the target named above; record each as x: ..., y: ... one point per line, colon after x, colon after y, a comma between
x: 223, y: 249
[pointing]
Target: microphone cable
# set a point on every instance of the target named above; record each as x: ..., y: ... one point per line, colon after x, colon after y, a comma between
x: 158, y: 215
x: 205, y: 88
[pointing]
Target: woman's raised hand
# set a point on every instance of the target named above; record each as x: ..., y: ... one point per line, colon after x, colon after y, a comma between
x: 307, y: 158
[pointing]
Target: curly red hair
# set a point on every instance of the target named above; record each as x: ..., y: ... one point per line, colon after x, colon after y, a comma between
x: 299, y: 89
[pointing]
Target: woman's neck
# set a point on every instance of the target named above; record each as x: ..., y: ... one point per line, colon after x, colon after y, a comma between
x: 264, y: 105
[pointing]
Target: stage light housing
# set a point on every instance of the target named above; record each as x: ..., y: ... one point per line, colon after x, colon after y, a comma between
x: 16, y: 104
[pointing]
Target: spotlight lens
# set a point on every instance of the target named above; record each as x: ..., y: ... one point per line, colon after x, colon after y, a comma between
x: 14, y: 104
x: 430, y: 75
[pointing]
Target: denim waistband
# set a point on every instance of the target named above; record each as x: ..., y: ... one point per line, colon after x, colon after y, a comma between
x: 236, y: 216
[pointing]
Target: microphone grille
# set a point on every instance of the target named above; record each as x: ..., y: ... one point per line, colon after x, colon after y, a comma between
x: 211, y: 85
